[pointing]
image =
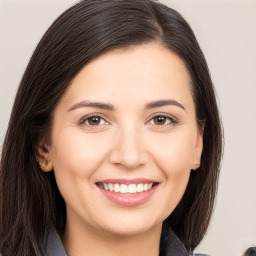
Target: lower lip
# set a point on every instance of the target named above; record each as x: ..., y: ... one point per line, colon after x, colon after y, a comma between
x: 129, y: 199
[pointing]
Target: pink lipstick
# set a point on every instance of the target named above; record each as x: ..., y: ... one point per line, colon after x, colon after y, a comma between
x: 128, y: 192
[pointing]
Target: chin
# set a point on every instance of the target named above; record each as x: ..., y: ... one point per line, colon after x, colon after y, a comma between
x: 129, y: 230
x: 130, y: 225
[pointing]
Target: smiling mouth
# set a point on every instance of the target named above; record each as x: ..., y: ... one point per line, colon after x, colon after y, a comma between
x: 126, y: 188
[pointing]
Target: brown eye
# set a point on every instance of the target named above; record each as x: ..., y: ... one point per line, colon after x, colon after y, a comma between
x: 161, y: 120
x: 94, y: 120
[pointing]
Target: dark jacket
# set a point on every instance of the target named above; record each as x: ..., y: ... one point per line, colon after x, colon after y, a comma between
x: 170, y: 245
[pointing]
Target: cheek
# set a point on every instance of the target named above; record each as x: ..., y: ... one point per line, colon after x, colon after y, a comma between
x: 75, y: 157
x: 173, y: 153
x: 77, y: 153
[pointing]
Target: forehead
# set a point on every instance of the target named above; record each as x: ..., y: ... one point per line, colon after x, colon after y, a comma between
x: 142, y: 72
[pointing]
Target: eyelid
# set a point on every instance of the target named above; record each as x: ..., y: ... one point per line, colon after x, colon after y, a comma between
x: 169, y: 116
x: 83, y: 119
x: 173, y: 120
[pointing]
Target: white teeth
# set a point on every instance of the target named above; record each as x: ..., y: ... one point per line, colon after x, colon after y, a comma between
x: 110, y: 187
x: 132, y: 188
x: 145, y: 187
x: 124, y: 188
x: 139, y: 187
x: 116, y: 188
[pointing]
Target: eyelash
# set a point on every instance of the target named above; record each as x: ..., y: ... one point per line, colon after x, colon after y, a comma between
x: 172, y: 120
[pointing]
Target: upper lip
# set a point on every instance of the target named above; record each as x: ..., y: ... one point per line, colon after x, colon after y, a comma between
x: 127, y: 181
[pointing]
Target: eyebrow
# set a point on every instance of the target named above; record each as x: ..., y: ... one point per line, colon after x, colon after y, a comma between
x: 108, y: 106
x: 161, y: 103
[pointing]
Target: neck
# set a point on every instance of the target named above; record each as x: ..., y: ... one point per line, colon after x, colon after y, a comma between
x: 79, y: 242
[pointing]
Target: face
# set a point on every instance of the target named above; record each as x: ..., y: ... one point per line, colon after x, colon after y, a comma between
x: 124, y: 140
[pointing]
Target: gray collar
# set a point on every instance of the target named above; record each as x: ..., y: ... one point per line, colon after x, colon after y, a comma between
x: 54, y: 246
x: 170, y: 245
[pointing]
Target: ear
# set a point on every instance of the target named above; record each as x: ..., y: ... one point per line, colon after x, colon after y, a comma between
x: 198, y: 147
x: 43, y: 157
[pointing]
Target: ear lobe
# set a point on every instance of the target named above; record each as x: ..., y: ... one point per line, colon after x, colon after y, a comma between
x: 198, y: 148
x: 46, y: 166
x: 43, y: 158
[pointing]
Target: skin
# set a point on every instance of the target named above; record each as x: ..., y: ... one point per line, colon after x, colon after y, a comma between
x: 126, y: 143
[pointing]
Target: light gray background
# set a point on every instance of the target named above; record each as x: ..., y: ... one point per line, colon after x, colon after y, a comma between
x: 226, y: 31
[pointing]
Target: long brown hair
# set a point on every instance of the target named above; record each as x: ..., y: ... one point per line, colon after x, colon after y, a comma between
x: 30, y: 200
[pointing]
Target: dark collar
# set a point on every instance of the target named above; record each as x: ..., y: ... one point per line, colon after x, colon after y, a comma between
x: 170, y: 245
x: 54, y: 246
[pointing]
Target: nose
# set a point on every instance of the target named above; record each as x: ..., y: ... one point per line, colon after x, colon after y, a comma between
x: 128, y: 149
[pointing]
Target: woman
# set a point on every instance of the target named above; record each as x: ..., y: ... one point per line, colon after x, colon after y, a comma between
x: 114, y: 141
